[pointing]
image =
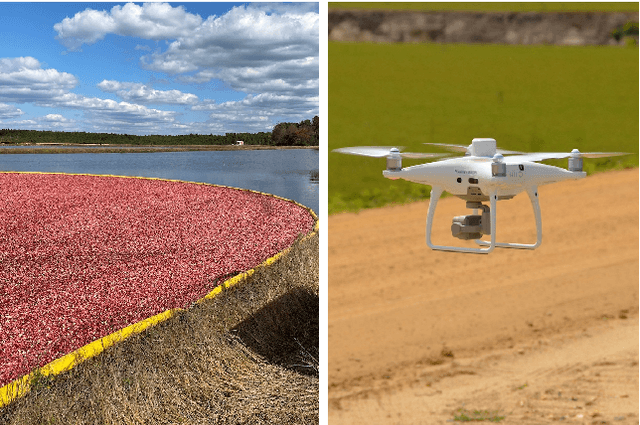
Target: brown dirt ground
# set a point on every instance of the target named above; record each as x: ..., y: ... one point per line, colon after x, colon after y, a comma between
x: 538, y: 336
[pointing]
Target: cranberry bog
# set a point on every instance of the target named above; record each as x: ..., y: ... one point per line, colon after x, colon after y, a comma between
x: 83, y: 256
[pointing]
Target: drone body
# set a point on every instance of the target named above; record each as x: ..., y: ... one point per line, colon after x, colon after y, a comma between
x: 482, y: 175
x: 467, y: 175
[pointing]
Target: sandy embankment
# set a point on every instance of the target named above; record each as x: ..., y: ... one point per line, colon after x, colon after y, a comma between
x: 539, y: 336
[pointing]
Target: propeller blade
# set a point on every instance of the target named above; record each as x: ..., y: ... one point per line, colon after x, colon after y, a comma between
x: 449, y: 147
x: 372, y: 151
x: 463, y: 149
x: 384, y: 151
x: 474, y: 158
x: 506, y: 152
x: 541, y: 156
x: 601, y: 154
x: 415, y: 155
x: 533, y: 157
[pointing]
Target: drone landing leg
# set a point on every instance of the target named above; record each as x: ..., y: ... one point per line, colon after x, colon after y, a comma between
x: 435, y: 195
x: 533, y: 196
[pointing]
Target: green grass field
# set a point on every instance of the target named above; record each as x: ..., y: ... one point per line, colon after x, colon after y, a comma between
x: 529, y: 98
x: 495, y: 6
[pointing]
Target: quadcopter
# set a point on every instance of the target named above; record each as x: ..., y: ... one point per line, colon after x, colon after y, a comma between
x: 483, y: 174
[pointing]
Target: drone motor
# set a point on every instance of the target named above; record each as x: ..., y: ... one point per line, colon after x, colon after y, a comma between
x: 498, y: 167
x: 394, y: 160
x: 575, y: 161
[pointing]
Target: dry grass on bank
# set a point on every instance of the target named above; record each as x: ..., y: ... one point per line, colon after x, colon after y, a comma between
x: 249, y: 355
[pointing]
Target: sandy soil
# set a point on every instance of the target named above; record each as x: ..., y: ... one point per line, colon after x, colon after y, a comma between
x: 422, y: 336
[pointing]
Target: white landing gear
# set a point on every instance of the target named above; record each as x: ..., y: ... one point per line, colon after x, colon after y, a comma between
x: 436, y: 192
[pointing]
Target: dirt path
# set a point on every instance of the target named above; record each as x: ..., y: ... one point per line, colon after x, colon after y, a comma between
x: 535, y: 336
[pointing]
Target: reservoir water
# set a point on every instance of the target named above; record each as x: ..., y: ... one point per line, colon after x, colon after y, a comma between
x: 290, y: 173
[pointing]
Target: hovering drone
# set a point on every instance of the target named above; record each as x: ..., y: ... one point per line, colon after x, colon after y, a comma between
x: 482, y: 174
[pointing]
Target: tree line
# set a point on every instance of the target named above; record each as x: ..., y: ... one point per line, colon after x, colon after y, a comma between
x: 304, y: 133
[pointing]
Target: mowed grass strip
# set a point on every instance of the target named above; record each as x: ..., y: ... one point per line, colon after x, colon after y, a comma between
x: 529, y: 98
x: 493, y: 6
x: 248, y: 355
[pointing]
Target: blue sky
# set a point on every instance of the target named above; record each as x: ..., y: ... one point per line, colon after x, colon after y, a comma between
x: 158, y: 68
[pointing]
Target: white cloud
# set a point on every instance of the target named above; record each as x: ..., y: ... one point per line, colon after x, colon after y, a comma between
x: 110, y: 111
x: 220, y: 123
x: 24, y: 124
x: 258, y: 112
x: 268, y: 52
x: 297, y: 77
x: 106, y: 115
x: 282, y: 8
x: 155, y: 21
x: 23, y: 80
x: 54, y: 122
x: 259, y: 48
x: 55, y: 118
x: 251, y: 51
x: 266, y: 104
x: 245, y: 45
x: 141, y: 93
x: 9, y: 111
x: 8, y: 65
x: 243, y: 37
x: 285, y: 79
x: 84, y: 28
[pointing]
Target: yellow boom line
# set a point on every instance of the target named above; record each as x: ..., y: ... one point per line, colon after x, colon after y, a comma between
x: 21, y: 386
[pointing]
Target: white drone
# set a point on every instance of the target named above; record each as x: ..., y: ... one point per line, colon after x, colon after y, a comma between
x: 483, y: 174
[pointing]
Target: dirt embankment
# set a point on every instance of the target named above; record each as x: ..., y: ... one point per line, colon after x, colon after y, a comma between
x: 568, y: 28
x: 538, y: 336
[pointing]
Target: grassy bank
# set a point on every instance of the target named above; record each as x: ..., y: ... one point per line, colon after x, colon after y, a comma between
x: 545, y: 98
x: 249, y: 355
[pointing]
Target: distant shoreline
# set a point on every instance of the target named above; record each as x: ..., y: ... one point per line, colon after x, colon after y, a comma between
x: 47, y: 148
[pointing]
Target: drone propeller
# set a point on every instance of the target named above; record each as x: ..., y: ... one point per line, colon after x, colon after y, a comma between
x: 450, y: 147
x: 385, y: 151
x: 541, y: 156
x: 530, y: 157
x: 464, y: 149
